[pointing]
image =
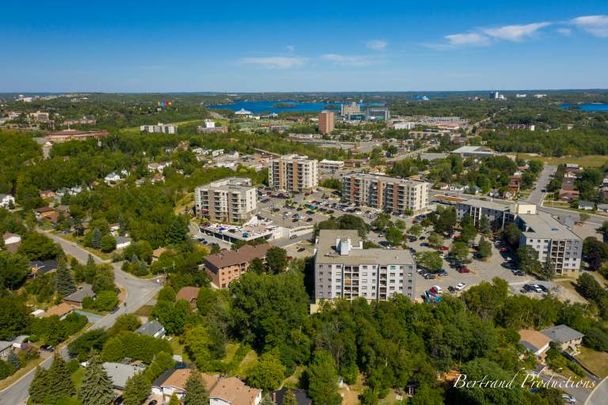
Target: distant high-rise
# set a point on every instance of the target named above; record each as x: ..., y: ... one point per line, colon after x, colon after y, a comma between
x: 327, y: 122
x: 348, y: 109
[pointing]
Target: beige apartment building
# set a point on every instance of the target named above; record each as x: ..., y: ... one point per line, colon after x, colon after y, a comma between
x: 228, y: 265
x: 386, y: 193
x: 228, y: 200
x: 293, y: 173
x: 327, y: 122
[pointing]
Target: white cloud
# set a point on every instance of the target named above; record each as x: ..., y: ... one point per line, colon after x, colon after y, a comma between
x: 468, y: 39
x: 593, y: 24
x: 376, y: 44
x: 515, y: 33
x: 565, y: 31
x: 348, y: 60
x: 275, y: 62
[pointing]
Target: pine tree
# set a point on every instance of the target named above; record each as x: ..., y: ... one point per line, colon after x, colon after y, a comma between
x: 196, y: 394
x: 96, y: 385
x: 13, y: 360
x: 64, y: 283
x: 40, y: 387
x: 137, y: 389
x: 96, y: 238
x: 59, y: 378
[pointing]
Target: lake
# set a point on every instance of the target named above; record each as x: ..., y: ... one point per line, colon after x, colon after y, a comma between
x: 587, y: 107
x: 279, y: 106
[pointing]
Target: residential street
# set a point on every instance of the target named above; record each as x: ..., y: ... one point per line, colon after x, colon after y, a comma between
x: 138, y: 291
x: 537, y: 195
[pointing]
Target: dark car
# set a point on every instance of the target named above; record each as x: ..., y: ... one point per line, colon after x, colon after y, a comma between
x: 519, y: 273
x: 430, y: 276
x: 543, y: 288
x: 443, y: 273
x: 47, y: 348
x: 301, y: 249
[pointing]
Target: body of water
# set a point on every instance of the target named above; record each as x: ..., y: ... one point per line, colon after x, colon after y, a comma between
x: 587, y: 107
x: 279, y: 106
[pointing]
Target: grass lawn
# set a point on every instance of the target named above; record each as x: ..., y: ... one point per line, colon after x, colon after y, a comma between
x: 587, y: 161
x: 178, y: 348
x: 293, y: 380
x: 231, y: 349
x: 251, y: 358
x: 146, y: 310
x: 594, y: 361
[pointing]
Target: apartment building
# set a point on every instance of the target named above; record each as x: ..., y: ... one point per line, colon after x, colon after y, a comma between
x: 159, y: 128
x: 331, y: 166
x: 498, y: 214
x: 386, y: 193
x: 344, y: 269
x: 327, y: 122
x: 228, y: 265
x: 232, y: 199
x: 553, y: 241
x: 293, y: 173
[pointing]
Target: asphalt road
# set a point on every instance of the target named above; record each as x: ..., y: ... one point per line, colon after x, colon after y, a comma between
x: 599, y: 394
x: 139, y: 292
x: 537, y: 195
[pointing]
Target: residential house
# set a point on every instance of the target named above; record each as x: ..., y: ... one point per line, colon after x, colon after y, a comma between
x: 7, y: 201
x: 62, y: 310
x: 152, y: 328
x: 602, y: 207
x: 122, y: 242
x: 119, y: 373
x: 586, y: 205
x: 47, y: 214
x: 77, y: 297
x: 535, y: 342
x: 12, y: 241
x: 278, y: 396
x: 222, y: 390
x: 47, y: 194
x: 228, y: 265
x: 40, y: 267
x: 156, y: 253
x: 6, y: 348
x: 189, y: 294
x: 566, y: 338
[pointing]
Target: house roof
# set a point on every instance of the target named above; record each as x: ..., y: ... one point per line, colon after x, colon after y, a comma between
x: 59, y: 310
x: 561, y: 333
x: 158, y: 251
x: 187, y: 293
x: 533, y: 340
x: 81, y: 293
x: 244, y: 254
x: 119, y: 373
x: 150, y: 328
x: 43, y: 266
x: 301, y: 396
x: 229, y: 389
x: 5, y: 345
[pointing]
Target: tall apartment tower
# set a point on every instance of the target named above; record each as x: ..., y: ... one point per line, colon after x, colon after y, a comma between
x: 386, y: 193
x: 327, y: 122
x: 232, y: 200
x: 293, y: 173
x: 344, y: 269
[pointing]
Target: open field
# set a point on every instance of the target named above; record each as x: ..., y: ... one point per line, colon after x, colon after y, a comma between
x: 586, y: 161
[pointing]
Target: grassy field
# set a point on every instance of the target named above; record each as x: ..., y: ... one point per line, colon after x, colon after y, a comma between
x: 251, y: 358
x: 594, y: 361
x: 586, y: 161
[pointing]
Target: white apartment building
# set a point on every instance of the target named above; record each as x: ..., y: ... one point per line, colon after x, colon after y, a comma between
x: 344, y: 269
x: 553, y: 241
x: 331, y: 166
x: 293, y: 173
x: 386, y: 193
x: 159, y: 128
x: 231, y: 200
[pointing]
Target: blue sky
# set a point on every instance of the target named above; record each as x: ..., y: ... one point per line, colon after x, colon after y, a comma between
x: 135, y: 46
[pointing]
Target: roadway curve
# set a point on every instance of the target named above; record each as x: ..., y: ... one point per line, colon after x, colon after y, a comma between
x: 138, y: 293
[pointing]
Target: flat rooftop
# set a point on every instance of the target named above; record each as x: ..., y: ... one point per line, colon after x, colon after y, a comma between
x: 544, y: 226
x: 327, y: 253
x: 487, y: 204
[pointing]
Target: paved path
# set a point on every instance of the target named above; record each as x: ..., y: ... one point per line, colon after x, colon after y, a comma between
x: 538, y: 195
x: 599, y: 396
x: 139, y: 292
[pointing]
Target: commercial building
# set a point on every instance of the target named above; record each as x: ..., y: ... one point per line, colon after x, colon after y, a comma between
x: 228, y: 265
x: 210, y: 127
x: 331, y: 166
x: 344, y: 269
x: 228, y: 200
x: 293, y: 173
x: 159, y: 128
x: 348, y: 109
x: 386, y: 193
x: 378, y: 113
x: 553, y: 241
x: 474, y: 151
x: 327, y: 122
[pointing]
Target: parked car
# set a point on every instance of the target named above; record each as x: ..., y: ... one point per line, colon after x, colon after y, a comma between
x: 519, y: 273
x: 464, y: 269
x: 301, y: 249
x: 460, y: 286
x: 430, y: 276
x: 47, y: 348
x: 443, y: 273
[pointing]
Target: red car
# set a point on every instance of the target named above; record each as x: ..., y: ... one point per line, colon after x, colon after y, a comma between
x: 444, y: 248
x: 464, y: 269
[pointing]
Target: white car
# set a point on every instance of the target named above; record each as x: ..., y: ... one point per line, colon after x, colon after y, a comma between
x: 460, y: 286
